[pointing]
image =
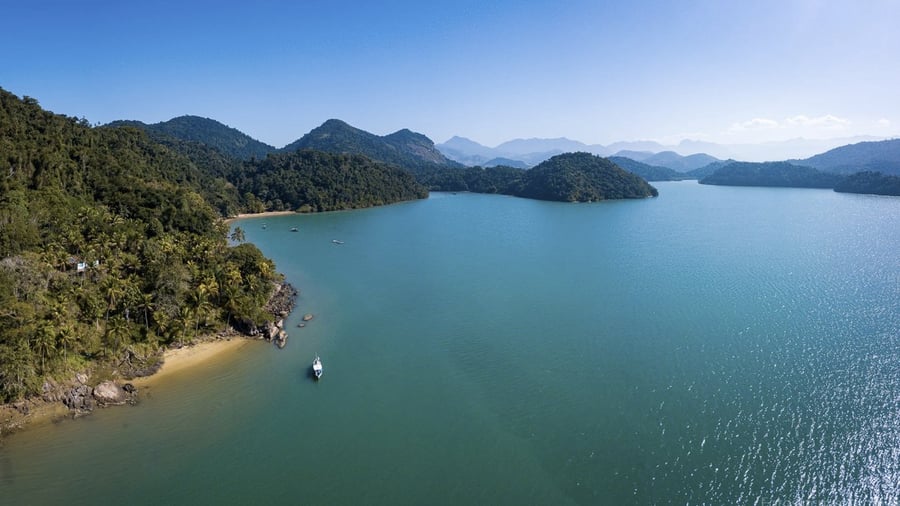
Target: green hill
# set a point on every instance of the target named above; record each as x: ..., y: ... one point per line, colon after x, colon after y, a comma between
x: 228, y: 141
x: 289, y: 181
x: 583, y: 177
x: 771, y: 174
x: 310, y: 181
x: 109, y: 250
x: 404, y: 149
x: 570, y: 177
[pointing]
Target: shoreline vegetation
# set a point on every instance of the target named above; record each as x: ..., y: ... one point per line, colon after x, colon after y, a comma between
x: 37, y: 412
x: 56, y: 403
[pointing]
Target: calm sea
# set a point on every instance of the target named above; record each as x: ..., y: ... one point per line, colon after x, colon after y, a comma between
x: 714, y: 345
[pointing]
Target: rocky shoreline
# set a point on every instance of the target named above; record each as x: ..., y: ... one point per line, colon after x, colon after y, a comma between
x: 84, y: 393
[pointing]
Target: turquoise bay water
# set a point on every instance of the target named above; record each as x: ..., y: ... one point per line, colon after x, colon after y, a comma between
x: 714, y: 345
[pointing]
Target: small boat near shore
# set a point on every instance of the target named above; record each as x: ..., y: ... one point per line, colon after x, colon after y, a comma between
x: 317, y: 367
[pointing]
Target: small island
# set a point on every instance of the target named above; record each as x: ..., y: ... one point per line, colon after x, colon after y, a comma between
x: 569, y: 177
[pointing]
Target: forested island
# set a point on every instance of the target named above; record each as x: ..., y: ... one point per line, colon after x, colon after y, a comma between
x: 570, y: 177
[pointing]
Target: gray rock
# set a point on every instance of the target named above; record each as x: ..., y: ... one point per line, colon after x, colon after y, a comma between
x: 51, y: 392
x: 271, y: 331
x: 108, y: 393
x: 281, y: 339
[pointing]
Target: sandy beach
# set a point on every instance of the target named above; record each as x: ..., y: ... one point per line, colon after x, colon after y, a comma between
x: 176, y: 360
x: 40, y: 412
x: 259, y: 215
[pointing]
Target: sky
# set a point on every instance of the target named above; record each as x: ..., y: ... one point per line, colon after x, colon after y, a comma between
x: 594, y: 71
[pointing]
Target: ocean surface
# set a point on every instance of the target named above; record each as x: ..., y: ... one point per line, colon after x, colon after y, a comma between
x: 715, y: 345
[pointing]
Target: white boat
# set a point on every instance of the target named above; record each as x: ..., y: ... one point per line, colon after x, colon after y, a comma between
x: 335, y: 241
x: 317, y: 367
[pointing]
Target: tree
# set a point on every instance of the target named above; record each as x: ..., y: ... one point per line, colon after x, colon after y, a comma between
x: 237, y: 235
x: 45, y: 343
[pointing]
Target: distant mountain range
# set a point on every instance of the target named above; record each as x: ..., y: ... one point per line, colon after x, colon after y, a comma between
x: 646, y: 171
x: 201, y: 139
x: 533, y: 151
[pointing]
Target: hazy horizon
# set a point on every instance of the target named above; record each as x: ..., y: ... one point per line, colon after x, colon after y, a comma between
x: 599, y: 74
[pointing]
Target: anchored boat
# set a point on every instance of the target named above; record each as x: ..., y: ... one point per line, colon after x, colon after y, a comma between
x: 317, y: 367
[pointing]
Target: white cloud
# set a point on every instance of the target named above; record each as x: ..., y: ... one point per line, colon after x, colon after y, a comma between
x: 827, y: 121
x: 754, y: 124
x: 884, y: 123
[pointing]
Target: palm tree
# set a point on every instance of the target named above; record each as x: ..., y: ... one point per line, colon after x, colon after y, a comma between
x: 45, y: 343
x: 65, y: 338
x: 237, y: 235
x: 117, y: 333
x: 145, y: 303
x: 114, y: 290
x: 184, y: 320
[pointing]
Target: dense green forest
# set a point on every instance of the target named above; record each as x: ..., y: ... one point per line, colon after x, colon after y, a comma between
x: 500, y: 179
x: 583, y: 177
x: 311, y: 181
x: 570, y: 177
x: 224, y: 139
x: 771, y: 174
x: 304, y: 181
x: 109, y: 249
x: 874, y: 183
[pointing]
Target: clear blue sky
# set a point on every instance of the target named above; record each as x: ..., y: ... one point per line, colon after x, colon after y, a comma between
x: 595, y: 71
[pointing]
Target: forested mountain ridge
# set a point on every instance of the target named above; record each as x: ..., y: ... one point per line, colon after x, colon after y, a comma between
x: 878, y: 156
x: 404, y: 148
x: 108, y: 250
x: 226, y: 140
x: 291, y: 181
x: 312, y: 181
